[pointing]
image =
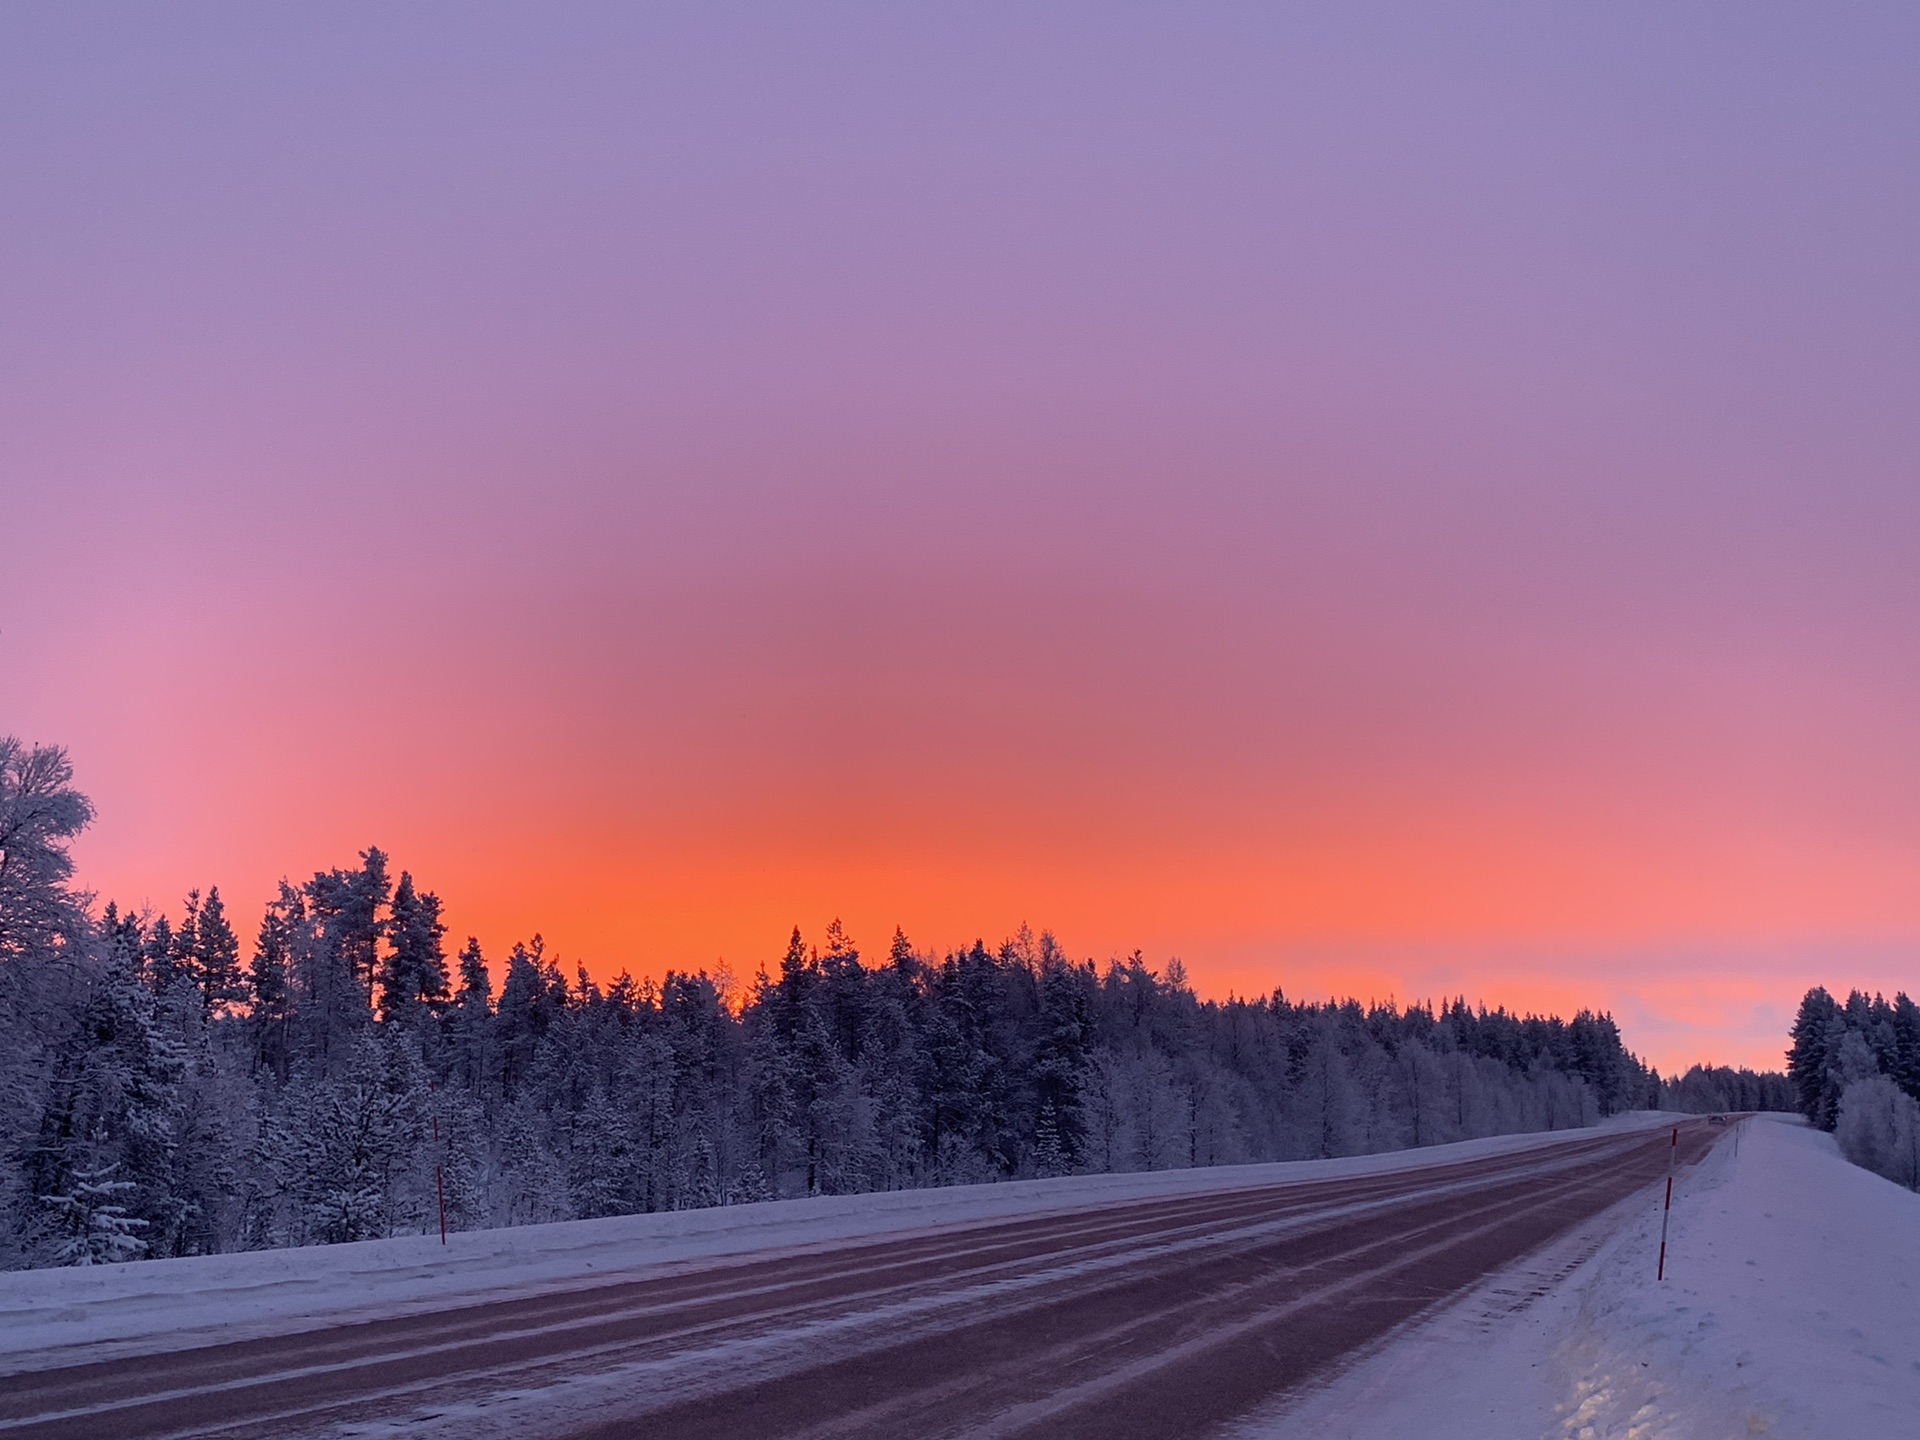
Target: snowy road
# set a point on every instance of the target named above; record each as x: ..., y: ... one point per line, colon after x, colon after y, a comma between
x: 1154, y: 1317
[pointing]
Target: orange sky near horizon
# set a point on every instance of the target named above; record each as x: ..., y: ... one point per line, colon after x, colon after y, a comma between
x: 1415, y: 859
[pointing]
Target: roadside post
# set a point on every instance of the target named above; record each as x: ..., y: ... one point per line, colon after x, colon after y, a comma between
x: 1666, y: 1212
x: 439, y: 1167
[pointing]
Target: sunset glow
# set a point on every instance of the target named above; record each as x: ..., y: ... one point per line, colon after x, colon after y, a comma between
x: 1400, y: 507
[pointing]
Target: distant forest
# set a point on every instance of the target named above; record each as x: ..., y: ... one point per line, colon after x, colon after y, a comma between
x: 165, y: 1096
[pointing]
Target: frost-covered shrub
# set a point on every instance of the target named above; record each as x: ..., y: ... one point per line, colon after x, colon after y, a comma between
x: 1879, y: 1129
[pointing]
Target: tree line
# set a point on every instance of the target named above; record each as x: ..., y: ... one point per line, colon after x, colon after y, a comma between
x: 169, y: 1091
x: 1855, y: 1070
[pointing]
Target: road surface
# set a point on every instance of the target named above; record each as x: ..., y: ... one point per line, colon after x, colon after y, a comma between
x: 1124, y: 1321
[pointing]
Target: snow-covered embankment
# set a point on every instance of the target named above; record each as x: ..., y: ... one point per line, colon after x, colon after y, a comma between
x: 1791, y: 1308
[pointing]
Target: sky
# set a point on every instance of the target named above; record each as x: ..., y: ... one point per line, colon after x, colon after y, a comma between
x: 1401, y: 500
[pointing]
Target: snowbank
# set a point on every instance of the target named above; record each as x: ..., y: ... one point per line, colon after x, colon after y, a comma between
x: 170, y: 1304
x: 1791, y: 1309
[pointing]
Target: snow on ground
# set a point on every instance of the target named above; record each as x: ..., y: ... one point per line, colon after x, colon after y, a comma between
x: 156, y: 1305
x: 1791, y: 1309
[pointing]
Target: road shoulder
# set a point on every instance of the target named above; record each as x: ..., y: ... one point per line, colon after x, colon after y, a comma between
x: 1791, y: 1309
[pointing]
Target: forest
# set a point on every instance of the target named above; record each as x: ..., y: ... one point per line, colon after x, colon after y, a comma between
x: 1855, y: 1070
x: 347, y: 1074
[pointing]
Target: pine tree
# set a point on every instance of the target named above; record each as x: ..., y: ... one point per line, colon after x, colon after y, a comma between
x: 334, y: 954
x: 160, y: 956
x: 1905, y: 1066
x: 891, y: 1061
x: 1807, y: 1061
x: 770, y: 1101
x: 183, y: 948
x: 217, y: 957
x: 469, y: 1022
x: 1049, y: 1154
x: 647, y: 1083
x: 413, y: 975
x: 360, y: 922
x: 523, y: 1016
x: 269, y: 982
x: 1060, y: 1059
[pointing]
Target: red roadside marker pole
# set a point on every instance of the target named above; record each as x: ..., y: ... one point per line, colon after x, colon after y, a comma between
x: 1667, y: 1213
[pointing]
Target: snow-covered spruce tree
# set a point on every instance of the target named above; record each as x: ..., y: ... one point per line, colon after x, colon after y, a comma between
x: 815, y: 1122
x: 840, y: 1035
x: 112, y: 1105
x: 216, y: 958
x: 335, y: 955
x: 713, y: 1135
x: 601, y: 1168
x: 270, y: 996
x: 976, y: 1050
x: 209, y: 1120
x: 531, y: 1179
x: 463, y: 1155
x: 467, y: 1026
x: 648, y: 1083
x: 1807, y: 1067
x: 1049, y: 1154
x: 527, y: 1008
x: 349, y: 1154
x: 91, y: 1225
x: 1903, y: 1059
x: 160, y: 955
x: 1060, y: 1060
x: 413, y: 973
x: 770, y: 1101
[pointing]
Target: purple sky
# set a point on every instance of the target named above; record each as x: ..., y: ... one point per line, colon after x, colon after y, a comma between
x: 1397, y: 498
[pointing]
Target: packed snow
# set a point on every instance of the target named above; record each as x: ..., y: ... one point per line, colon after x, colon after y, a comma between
x: 70, y: 1315
x: 1791, y: 1308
